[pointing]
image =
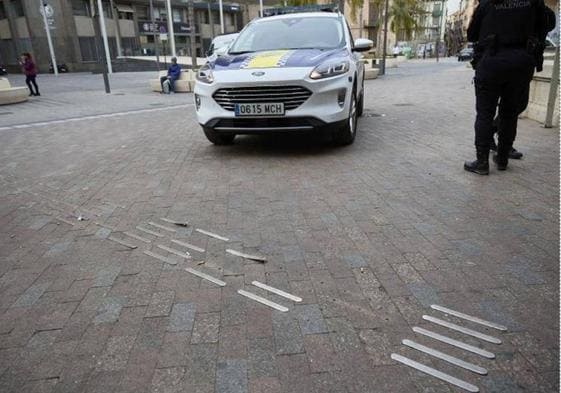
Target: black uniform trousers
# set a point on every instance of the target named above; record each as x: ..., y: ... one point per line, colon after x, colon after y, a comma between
x: 501, y: 78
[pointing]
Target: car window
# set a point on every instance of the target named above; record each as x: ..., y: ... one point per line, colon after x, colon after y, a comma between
x: 291, y: 33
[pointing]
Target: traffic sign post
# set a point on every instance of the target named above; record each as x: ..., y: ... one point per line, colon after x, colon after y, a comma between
x: 44, y: 10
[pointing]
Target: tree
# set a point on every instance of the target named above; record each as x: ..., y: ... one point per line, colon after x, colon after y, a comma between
x: 403, y: 17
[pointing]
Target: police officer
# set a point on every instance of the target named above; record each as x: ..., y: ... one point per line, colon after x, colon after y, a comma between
x: 509, y: 37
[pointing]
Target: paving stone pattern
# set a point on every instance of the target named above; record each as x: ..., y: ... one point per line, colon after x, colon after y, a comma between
x: 368, y: 236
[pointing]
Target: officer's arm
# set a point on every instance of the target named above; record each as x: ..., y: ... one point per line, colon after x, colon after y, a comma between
x: 475, y: 25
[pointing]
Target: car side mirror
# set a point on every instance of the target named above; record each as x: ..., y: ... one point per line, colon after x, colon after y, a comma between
x: 363, y: 45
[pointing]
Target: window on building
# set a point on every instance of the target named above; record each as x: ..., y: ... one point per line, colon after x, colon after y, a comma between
x: 160, y: 14
x: 130, y: 46
x: 107, y: 12
x: 176, y: 15
x: 203, y: 18
x: 88, y: 50
x: 17, y: 7
x: 8, y: 52
x: 2, y: 11
x: 81, y: 8
x: 125, y: 15
x: 150, y: 39
x: 216, y: 17
x: 143, y: 12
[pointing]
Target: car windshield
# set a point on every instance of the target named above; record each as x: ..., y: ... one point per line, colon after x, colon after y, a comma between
x: 290, y: 33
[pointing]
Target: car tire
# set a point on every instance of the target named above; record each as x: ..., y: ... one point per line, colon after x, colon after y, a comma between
x: 218, y: 139
x: 346, y: 134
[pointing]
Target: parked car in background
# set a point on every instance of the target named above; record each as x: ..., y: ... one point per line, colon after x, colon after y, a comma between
x: 3, y: 70
x: 220, y: 45
x: 465, y: 54
x: 285, y: 73
x: 405, y: 48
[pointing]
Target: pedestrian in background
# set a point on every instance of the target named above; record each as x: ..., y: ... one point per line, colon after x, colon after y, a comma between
x: 509, y: 44
x: 174, y: 71
x: 30, y: 71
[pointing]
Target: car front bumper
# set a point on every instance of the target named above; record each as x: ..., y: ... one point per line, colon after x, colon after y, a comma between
x: 327, y: 106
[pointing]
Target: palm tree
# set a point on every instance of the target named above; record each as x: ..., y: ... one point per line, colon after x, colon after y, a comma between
x: 403, y: 17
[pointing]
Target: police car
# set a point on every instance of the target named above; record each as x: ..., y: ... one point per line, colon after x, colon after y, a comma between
x: 284, y: 73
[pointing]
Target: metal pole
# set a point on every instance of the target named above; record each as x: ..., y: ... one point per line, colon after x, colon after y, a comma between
x: 170, y: 28
x: 383, y: 63
x: 156, y: 50
x: 439, y: 31
x: 192, y: 33
x: 221, y: 16
x: 210, y: 21
x: 261, y: 8
x: 115, y: 12
x: 104, y: 35
x: 553, y: 90
x: 98, y: 48
x: 49, y: 40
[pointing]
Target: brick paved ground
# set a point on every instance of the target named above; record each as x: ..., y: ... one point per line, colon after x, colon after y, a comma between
x: 369, y: 236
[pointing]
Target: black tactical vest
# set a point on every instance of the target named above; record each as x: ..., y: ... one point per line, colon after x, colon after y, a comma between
x: 509, y: 22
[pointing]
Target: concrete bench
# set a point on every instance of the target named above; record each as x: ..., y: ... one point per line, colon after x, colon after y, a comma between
x: 12, y: 95
x: 184, y: 84
x: 371, y: 73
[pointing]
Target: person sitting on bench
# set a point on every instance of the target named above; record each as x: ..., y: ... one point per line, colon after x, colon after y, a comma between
x: 173, y: 74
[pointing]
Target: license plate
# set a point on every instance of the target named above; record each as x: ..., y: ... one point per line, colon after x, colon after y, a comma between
x: 268, y: 109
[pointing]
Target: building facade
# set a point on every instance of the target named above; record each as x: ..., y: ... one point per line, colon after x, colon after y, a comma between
x: 128, y: 26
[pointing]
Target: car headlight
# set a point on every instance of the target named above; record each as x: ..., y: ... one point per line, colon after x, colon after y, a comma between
x: 329, y: 69
x: 205, y: 74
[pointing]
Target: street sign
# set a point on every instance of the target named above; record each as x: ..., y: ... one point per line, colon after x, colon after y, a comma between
x: 163, y: 36
x: 49, y: 12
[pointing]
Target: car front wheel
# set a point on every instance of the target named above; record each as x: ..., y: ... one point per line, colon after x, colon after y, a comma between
x: 346, y: 134
x: 218, y: 139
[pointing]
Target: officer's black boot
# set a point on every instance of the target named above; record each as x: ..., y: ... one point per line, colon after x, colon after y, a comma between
x: 481, y: 164
x: 501, y: 158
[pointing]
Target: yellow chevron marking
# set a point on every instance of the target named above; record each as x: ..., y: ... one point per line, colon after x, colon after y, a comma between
x: 267, y: 59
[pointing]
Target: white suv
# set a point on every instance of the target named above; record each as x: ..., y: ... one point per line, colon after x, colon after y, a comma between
x: 295, y: 72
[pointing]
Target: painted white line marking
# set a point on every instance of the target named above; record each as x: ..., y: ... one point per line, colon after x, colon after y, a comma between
x: 461, y: 329
x: 188, y: 245
x: 214, y: 235
x: 142, y: 239
x: 206, y: 277
x: 246, y: 256
x: 262, y: 300
x: 131, y: 246
x: 183, y: 254
x: 435, y: 373
x: 65, y: 221
x: 163, y: 227
x: 180, y: 223
x: 105, y: 226
x: 277, y: 291
x: 91, y: 117
x: 450, y: 359
x: 148, y: 231
x: 455, y: 343
x: 469, y: 317
x: 160, y: 257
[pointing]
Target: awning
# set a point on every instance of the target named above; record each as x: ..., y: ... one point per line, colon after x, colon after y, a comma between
x: 124, y: 8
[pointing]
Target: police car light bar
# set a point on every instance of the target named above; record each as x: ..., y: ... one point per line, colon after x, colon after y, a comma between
x: 298, y: 9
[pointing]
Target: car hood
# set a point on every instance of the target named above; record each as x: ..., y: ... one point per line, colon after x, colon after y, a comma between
x: 276, y: 59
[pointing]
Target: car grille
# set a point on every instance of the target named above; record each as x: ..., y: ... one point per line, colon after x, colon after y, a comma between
x: 291, y: 96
